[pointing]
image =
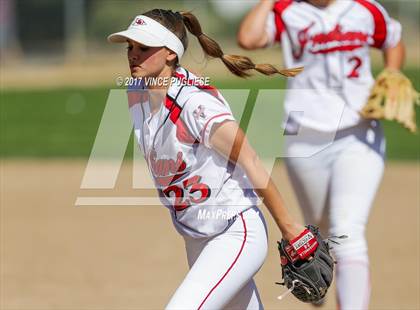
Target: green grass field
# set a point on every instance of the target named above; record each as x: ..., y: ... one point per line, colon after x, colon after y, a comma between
x: 64, y: 122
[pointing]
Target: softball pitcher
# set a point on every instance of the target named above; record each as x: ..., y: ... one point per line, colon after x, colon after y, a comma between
x: 331, y: 39
x: 188, y: 136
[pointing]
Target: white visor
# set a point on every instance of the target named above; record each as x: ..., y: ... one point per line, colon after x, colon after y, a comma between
x: 149, y: 32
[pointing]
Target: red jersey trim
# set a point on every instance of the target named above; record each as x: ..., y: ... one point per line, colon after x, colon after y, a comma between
x: 380, y: 32
x: 231, y: 266
x: 174, y: 109
x: 183, y: 134
x: 278, y: 9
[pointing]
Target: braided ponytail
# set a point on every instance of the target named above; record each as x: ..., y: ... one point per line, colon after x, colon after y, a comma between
x: 238, y: 65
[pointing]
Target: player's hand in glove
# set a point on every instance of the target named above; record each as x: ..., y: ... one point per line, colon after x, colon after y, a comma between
x: 307, y: 266
x: 393, y: 97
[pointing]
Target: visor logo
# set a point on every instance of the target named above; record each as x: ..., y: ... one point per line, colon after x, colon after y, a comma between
x: 139, y: 21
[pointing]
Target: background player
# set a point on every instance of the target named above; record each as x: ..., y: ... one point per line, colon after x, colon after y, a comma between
x: 331, y: 39
x: 186, y: 136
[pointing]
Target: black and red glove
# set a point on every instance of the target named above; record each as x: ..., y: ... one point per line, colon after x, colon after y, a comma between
x: 307, y: 266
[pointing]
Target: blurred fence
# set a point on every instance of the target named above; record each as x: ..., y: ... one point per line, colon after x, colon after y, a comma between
x: 63, y: 30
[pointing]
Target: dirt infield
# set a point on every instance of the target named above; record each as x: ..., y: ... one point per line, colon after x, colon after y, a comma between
x: 58, y: 256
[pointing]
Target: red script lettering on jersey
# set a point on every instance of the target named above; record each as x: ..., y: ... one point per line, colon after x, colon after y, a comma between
x: 167, y: 171
x: 335, y: 40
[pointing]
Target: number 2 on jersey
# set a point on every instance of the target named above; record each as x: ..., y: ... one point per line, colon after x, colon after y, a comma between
x: 357, y: 64
x: 190, y: 186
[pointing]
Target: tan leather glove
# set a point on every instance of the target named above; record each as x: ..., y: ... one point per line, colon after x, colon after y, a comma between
x: 393, y: 97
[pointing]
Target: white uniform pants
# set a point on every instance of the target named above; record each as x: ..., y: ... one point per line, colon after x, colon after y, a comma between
x: 222, y: 267
x: 337, y: 186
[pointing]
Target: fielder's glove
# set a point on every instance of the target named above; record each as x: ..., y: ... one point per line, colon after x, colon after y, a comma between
x: 393, y: 97
x: 307, y: 266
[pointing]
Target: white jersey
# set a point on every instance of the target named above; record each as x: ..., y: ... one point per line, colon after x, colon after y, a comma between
x: 202, y: 190
x: 333, y: 45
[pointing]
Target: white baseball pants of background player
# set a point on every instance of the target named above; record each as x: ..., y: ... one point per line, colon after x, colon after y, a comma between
x: 222, y: 267
x: 338, y: 185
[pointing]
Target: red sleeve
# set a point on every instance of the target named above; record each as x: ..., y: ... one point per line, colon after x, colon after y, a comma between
x: 278, y: 9
x: 380, y: 32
